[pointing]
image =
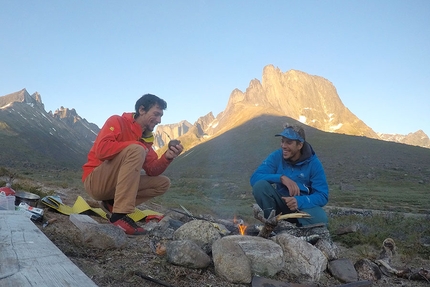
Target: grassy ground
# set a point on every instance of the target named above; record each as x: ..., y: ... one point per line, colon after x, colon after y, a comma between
x: 226, y: 199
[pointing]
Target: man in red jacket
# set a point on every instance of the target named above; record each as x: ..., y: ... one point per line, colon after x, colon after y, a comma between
x: 123, y: 147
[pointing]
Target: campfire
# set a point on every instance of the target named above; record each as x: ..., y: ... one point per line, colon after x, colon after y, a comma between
x: 240, y: 225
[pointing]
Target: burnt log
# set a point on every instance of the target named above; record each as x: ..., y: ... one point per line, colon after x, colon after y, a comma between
x: 271, y: 222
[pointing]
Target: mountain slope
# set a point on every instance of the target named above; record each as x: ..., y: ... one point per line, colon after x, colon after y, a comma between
x: 216, y: 173
x: 32, y: 138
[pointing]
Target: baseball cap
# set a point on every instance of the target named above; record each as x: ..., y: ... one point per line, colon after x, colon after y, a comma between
x: 291, y: 134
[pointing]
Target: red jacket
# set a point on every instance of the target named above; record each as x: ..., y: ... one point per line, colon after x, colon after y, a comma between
x: 117, y: 133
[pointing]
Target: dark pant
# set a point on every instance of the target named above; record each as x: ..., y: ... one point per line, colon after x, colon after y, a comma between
x: 269, y: 199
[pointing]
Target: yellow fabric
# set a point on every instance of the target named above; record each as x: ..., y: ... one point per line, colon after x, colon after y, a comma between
x: 149, y: 138
x: 81, y: 206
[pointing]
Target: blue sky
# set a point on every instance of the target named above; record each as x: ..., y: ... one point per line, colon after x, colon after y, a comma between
x: 99, y: 57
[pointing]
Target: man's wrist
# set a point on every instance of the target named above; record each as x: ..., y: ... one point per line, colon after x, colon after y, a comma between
x: 169, y: 159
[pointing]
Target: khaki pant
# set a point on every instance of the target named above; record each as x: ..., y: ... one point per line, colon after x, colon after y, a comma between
x: 120, y: 179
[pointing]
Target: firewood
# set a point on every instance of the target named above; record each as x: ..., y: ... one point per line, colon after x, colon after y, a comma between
x: 293, y: 215
x: 269, y: 225
x: 271, y: 222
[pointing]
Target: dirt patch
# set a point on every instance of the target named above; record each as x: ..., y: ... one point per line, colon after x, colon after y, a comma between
x: 136, y: 263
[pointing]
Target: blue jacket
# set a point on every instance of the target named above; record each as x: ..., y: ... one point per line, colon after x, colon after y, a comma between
x: 307, y: 172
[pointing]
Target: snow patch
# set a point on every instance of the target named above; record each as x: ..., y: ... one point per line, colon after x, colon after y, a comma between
x: 335, y: 128
x: 22, y: 116
x: 4, y: 107
x: 85, y: 125
x: 46, y: 117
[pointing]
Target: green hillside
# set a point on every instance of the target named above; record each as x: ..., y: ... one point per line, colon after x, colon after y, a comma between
x: 213, y: 177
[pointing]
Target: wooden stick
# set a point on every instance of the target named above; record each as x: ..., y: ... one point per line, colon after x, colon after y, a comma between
x: 293, y: 215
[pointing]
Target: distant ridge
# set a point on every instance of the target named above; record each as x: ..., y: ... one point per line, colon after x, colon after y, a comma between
x: 418, y: 138
x: 32, y: 138
x: 22, y: 96
x: 311, y: 100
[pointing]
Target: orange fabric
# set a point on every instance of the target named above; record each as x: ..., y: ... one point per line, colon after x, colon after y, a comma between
x: 117, y: 133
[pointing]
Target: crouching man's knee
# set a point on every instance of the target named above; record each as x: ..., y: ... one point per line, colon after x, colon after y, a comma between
x: 164, y: 184
x: 261, y: 187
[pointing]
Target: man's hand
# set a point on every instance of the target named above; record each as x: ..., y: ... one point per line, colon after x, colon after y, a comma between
x: 291, y: 202
x: 291, y: 185
x: 173, y: 151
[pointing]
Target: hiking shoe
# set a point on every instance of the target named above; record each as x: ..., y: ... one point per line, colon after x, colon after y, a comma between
x: 129, y: 226
x: 106, y: 206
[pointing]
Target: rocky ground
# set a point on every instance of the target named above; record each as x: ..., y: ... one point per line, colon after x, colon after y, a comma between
x: 138, y: 263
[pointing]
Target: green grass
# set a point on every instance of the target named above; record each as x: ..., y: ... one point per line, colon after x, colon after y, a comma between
x: 407, y: 232
x: 384, y: 195
x: 32, y: 180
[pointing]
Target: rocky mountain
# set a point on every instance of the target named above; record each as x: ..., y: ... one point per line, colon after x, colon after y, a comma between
x: 33, y: 138
x: 311, y: 100
x: 74, y: 121
x: 171, y: 131
x: 418, y: 138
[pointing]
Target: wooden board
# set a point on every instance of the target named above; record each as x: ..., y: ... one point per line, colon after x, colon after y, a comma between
x: 29, y: 258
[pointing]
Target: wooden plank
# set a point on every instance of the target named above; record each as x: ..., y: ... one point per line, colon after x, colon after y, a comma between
x: 28, y: 258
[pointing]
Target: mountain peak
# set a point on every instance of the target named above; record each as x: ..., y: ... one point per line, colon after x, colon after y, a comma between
x: 63, y: 112
x: 418, y: 138
x: 309, y: 99
x: 21, y: 96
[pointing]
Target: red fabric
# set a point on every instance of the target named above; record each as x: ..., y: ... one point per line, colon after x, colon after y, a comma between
x: 117, y: 133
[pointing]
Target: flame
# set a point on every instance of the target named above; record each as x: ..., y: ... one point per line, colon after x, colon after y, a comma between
x: 242, y: 228
x: 240, y: 225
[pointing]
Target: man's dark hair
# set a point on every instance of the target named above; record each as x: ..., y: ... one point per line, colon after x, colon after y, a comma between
x: 148, y: 101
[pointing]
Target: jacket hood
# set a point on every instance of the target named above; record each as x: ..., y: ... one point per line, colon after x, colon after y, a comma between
x: 147, y: 136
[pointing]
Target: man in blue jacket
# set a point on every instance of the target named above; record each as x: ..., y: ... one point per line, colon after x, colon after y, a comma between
x: 292, y: 179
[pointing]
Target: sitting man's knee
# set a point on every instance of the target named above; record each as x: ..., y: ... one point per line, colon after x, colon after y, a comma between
x: 162, y: 185
x: 136, y: 148
x: 260, y: 186
x: 166, y: 182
